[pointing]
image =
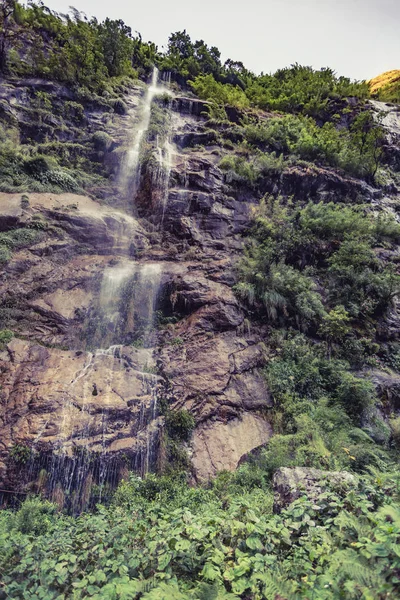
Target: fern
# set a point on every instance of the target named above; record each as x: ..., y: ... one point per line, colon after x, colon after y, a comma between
x: 346, y: 520
x: 277, y: 586
x: 347, y: 564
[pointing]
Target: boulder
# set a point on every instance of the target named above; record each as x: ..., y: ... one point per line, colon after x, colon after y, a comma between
x: 219, y: 446
x: 289, y: 484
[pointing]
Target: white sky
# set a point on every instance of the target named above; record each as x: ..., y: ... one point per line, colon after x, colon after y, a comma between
x: 357, y: 38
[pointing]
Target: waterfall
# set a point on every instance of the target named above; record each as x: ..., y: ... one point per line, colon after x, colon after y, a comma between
x: 120, y: 325
x: 130, y: 169
x: 161, y: 180
x: 147, y: 288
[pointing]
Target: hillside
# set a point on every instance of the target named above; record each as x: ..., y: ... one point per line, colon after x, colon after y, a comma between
x: 386, y: 86
x: 199, y: 326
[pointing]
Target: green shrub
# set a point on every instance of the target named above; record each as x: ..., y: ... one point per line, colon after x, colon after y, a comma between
x: 24, y: 201
x: 301, y: 89
x: 5, y: 337
x: 38, y: 166
x: 356, y: 395
x: 20, y: 453
x: 332, y: 244
x: 395, y: 428
x: 119, y: 106
x: 60, y: 179
x: 74, y: 111
x: 35, y: 517
x: 357, y: 150
x: 101, y: 140
x: 207, y: 88
x: 163, y: 540
x: 5, y: 254
x: 179, y: 424
x: 250, y: 171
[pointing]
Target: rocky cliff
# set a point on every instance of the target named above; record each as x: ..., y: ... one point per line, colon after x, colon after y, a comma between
x: 114, y: 309
x: 122, y: 304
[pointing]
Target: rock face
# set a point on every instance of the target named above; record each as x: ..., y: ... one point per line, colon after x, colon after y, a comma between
x: 291, y: 484
x: 123, y: 306
x: 219, y: 445
x: 112, y: 313
x: 61, y: 403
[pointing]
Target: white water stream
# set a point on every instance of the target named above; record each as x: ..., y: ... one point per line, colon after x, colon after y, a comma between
x: 130, y: 169
x: 126, y: 310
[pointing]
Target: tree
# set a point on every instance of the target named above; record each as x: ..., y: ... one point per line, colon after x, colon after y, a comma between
x: 9, y: 10
x: 367, y: 136
x: 83, y: 53
x: 180, y: 45
x: 116, y: 40
x: 335, y: 326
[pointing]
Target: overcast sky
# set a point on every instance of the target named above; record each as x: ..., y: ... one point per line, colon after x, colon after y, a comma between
x: 357, y: 38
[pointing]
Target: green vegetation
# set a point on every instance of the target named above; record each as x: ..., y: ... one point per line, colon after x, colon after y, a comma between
x: 206, y: 87
x: 251, y: 169
x: 179, y: 424
x: 318, y: 279
x: 20, y: 453
x: 300, y: 89
x: 161, y: 540
x: 51, y: 166
x: 356, y: 150
x: 390, y: 93
x: 14, y: 239
x: 292, y: 248
x: 73, y: 49
x: 5, y: 337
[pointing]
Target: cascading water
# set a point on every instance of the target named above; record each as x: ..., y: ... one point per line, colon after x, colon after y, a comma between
x: 120, y: 326
x: 130, y: 169
x: 165, y: 154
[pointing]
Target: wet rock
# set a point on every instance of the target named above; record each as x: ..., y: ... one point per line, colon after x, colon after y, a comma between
x: 47, y: 400
x: 324, y: 184
x: 289, y: 484
x: 388, y: 388
x: 192, y: 106
x: 196, y: 138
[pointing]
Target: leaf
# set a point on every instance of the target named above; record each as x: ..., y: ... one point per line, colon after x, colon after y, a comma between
x: 254, y: 543
x: 210, y: 572
x: 164, y: 560
x: 240, y: 585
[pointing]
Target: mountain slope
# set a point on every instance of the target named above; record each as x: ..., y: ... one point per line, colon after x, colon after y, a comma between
x: 386, y: 86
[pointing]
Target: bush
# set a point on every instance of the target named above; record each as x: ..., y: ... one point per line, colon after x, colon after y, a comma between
x: 301, y: 89
x: 207, y: 88
x: 119, y: 106
x: 179, y: 424
x: 250, y: 171
x: 64, y: 181
x: 356, y: 395
x: 74, y: 111
x: 299, y: 260
x: 5, y: 337
x: 38, y: 166
x: 357, y: 150
x: 5, y: 254
x: 101, y: 140
x: 35, y: 517
x: 20, y: 453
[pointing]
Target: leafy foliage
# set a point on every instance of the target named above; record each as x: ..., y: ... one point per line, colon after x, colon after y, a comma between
x: 221, y: 543
x: 356, y: 150
x: 301, y: 89
x: 291, y: 249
